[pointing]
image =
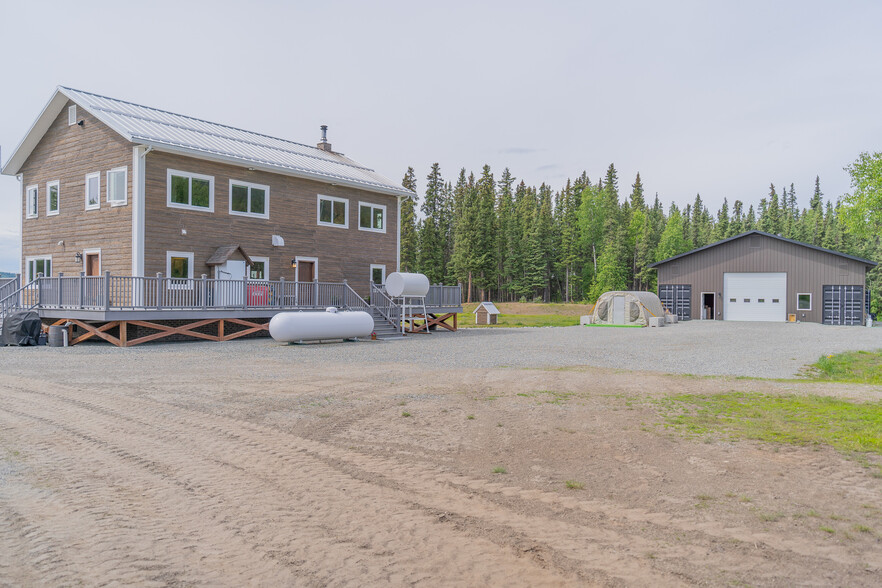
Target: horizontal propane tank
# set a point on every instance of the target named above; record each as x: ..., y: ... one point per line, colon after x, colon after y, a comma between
x: 291, y: 327
x: 403, y: 284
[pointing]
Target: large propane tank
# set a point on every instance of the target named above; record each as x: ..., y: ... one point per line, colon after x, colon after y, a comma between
x: 290, y: 327
x: 402, y: 284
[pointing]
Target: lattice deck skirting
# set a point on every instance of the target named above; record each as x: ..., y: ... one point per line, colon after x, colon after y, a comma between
x: 161, y: 331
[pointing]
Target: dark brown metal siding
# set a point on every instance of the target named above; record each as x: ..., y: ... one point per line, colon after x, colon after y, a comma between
x: 808, y: 271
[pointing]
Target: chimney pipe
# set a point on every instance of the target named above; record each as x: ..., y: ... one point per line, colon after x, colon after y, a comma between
x: 323, y: 144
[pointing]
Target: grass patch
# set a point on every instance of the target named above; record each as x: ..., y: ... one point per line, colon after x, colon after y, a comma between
x: 800, y: 420
x: 471, y: 417
x: 500, y: 470
x: 521, y: 320
x: 574, y: 485
x: 830, y: 530
x: 864, y: 367
x: 405, y: 414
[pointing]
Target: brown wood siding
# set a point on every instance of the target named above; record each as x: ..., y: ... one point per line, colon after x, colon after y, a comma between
x: 342, y: 253
x: 67, y: 153
x: 808, y: 271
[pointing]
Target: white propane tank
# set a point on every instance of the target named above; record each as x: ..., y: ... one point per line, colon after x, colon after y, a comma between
x: 290, y: 327
x: 402, y: 284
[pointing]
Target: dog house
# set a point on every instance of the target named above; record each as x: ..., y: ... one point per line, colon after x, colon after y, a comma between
x: 627, y: 308
x: 486, y: 313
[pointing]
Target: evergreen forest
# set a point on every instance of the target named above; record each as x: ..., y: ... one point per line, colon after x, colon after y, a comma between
x: 506, y: 241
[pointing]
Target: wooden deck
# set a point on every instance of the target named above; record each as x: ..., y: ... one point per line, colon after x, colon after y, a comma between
x: 126, y: 310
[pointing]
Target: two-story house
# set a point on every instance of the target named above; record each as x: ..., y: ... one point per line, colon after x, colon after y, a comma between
x: 108, y: 185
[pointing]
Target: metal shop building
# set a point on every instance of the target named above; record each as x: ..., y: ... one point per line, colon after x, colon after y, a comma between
x: 757, y: 276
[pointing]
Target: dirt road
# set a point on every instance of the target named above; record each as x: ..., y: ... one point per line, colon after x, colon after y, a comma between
x: 274, y: 475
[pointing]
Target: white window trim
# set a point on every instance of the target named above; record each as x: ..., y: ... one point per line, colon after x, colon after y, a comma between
x: 377, y: 266
x: 318, y: 212
x: 265, y: 260
x: 87, y: 252
x: 125, y: 172
x: 71, y: 115
x: 97, y: 204
x: 168, y: 189
x: 315, y: 264
x: 798, y: 294
x: 49, y: 185
x: 250, y: 185
x: 372, y: 205
x: 168, y: 258
x: 31, y: 258
x: 36, y: 206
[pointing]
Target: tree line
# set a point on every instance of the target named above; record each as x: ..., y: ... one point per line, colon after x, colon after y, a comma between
x: 503, y: 240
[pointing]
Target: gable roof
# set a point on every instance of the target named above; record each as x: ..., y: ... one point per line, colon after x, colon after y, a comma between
x: 773, y: 236
x: 224, y: 252
x: 175, y: 133
x: 489, y: 306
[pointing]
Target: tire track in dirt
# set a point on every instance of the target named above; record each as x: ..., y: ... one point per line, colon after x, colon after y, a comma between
x: 502, y: 518
x: 361, y: 536
x: 609, y: 552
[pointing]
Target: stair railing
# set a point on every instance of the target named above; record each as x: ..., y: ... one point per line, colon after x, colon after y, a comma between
x: 385, y: 305
x: 25, y: 297
x: 352, y: 300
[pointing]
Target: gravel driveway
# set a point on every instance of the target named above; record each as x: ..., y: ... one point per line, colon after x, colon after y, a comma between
x: 768, y: 350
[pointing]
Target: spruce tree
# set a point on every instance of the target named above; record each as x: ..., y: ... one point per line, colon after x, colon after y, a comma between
x: 430, y: 259
x: 409, y: 239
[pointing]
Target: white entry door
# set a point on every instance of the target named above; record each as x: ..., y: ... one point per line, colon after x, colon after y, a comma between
x: 619, y: 310
x: 229, y: 293
x: 760, y: 296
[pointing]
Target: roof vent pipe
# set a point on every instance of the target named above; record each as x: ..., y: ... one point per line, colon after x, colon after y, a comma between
x: 323, y: 144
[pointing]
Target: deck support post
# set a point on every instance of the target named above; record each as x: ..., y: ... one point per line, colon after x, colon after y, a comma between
x: 158, y: 290
x: 281, y: 293
x: 82, y: 288
x: 245, y: 288
x: 123, y: 334
x: 60, y: 282
x: 204, y: 291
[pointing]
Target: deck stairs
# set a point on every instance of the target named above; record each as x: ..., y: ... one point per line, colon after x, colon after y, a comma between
x: 383, y: 328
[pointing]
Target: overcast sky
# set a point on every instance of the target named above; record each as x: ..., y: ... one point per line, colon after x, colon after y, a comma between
x: 719, y: 98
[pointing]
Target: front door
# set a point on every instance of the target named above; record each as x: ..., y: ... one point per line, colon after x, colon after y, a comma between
x: 306, y: 294
x: 93, y: 264
x: 619, y: 310
x: 228, y: 288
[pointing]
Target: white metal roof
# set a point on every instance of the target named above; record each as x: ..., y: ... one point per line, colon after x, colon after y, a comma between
x: 491, y: 308
x: 166, y: 131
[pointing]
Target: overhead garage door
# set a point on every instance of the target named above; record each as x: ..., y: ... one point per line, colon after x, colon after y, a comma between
x: 755, y: 297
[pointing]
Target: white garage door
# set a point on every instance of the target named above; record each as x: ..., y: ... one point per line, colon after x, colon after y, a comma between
x: 755, y: 297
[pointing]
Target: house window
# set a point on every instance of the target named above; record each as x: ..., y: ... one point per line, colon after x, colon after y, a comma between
x: 93, y: 191
x: 249, y: 199
x: 371, y: 217
x: 72, y: 115
x: 803, y: 302
x: 191, y: 191
x: 179, y: 267
x: 117, y: 186
x: 259, y: 268
x: 38, y: 265
x: 378, y: 274
x: 333, y: 212
x: 31, y: 211
x: 52, y: 198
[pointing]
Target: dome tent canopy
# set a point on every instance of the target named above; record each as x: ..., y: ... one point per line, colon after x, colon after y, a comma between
x: 627, y: 308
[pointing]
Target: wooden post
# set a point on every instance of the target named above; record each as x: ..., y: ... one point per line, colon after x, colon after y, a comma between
x: 281, y: 291
x: 158, y: 290
x: 106, y: 289
x: 123, y: 334
x: 82, y: 288
x: 204, y: 291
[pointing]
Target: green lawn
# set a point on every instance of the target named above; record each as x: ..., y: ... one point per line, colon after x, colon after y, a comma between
x: 864, y: 367
x: 467, y: 320
x: 802, y: 420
